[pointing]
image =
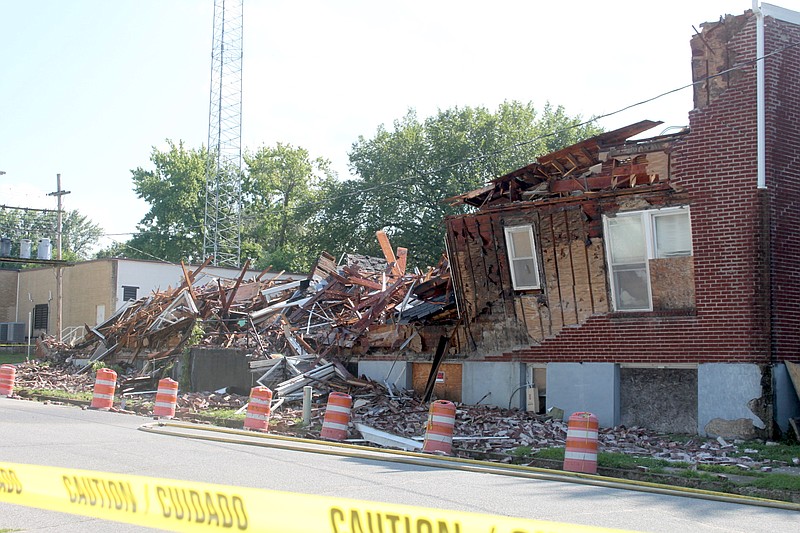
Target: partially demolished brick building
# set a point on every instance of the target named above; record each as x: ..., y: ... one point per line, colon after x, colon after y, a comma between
x: 653, y: 282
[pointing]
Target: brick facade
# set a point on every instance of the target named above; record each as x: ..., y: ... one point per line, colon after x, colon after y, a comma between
x: 746, y: 257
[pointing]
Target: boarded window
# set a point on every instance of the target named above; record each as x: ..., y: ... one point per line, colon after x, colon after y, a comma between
x: 635, y: 238
x: 129, y: 293
x: 41, y: 313
x: 522, y: 257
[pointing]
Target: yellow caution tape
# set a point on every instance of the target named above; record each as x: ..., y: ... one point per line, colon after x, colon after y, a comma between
x: 188, y: 506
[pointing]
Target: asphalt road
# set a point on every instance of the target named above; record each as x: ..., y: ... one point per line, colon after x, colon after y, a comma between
x: 36, y: 433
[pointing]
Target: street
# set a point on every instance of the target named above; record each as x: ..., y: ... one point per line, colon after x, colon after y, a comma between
x: 51, y: 435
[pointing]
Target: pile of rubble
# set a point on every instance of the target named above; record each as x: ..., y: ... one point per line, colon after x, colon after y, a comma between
x: 486, y: 430
x: 337, y: 311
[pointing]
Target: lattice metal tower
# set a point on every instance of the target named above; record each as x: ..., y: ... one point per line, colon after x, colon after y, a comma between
x: 222, y: 222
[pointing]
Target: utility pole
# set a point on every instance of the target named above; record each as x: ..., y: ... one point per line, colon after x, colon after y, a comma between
x: 59, y: 270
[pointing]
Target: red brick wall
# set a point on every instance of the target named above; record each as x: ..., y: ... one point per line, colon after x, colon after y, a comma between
x: 716, y: 163
x: 783, y: 184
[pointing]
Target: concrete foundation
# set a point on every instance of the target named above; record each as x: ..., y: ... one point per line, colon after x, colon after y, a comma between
x: 726, y: 397
x: 787, y: 404
x: 588, y: 387
x: 216, y: 368
x: 396, y: 373
x: 494, y: 384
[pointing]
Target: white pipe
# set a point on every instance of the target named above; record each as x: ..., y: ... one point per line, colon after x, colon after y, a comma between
x: 760, y: 109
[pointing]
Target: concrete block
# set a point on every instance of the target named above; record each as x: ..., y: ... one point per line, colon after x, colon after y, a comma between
x: 397, y: 373
x: 585, y: 387
x: 493, y: 384
x: 725, y: 394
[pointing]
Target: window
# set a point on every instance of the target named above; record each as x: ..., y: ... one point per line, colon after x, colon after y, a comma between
x: 522, y: 257
x: 632, y: 239
x: 41, y: 313
x: 129, y: 293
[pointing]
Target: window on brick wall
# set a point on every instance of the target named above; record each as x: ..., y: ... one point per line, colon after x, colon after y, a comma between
x: 41, y: 312
x: 632, y: 239
x: 522, y: 257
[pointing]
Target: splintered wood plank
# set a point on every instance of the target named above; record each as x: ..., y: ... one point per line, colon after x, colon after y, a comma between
x: 556, y: 320
x: 386, y: 248
x: 467, y: 284
x: 566, y: 280
x: 402, y: 256
x: 529, y: 309
x: 476, y: 254
x: 595, y: 254
x: 580, y: 266
x: 503, y: 269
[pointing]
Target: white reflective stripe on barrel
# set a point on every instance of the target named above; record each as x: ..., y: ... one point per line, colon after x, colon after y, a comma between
x: 442, y: 419
x: 105, y: 382
x: 104, y: 396
x: 165, y: 404
x: 333, y: 425
x: 259, y: 401
x: 338, y: 409
x: 256, y: 416
x: 582, y: 434
x: 580, y: 456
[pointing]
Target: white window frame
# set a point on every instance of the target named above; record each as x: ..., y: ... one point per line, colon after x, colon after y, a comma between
x: 648, y: 218
x: 512, y: 257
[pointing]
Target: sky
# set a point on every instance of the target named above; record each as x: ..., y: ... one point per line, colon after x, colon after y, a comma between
x: 88, y: 88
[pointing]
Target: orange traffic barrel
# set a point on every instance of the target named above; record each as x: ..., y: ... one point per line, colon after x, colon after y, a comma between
x: 7, y: 375
x: 257, y: 417
x: 166, y: 398
x: 105, y: 384
x: 439, y: 430
x: 337, y: 416
x: 580, y: 454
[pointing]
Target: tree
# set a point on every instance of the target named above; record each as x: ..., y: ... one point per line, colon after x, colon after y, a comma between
x: 280, y: 190
x: 175, y: 189
x: 403, y: 175
x: 78, y: 234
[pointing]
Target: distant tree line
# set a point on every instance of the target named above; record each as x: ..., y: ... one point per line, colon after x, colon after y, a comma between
x: 294, y: 206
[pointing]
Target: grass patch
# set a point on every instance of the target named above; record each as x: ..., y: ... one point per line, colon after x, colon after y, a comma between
x: 553, y: 454
x: 775, y: 481
x: 775, y: 452
x: 53, y: 393
x: 733, y: 470
x: 223, y: 414
x: 630, y: 462
x: 11, y: 359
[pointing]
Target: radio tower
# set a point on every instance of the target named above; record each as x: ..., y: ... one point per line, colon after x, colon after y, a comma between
x: 222, y: 221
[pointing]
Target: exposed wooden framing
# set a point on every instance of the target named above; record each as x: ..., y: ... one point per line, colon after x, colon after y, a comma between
x: 558, y: 166
x: 566, y: 279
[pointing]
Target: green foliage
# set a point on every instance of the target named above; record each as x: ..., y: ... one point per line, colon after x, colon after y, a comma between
x: 522, y: 452
x: 222, y: 415
x: 175, y: 189
x: 554, y: 454
x: 280, y: 191
x: 775, y: 451
x: 78, y: 233
x: 624, y: 461
x: 12, y: 358
x: 403, y: 174
x: 777, y: 481
x: 56, y: 393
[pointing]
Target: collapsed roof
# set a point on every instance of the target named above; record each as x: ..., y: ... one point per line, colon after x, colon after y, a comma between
x: 604, y: 162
